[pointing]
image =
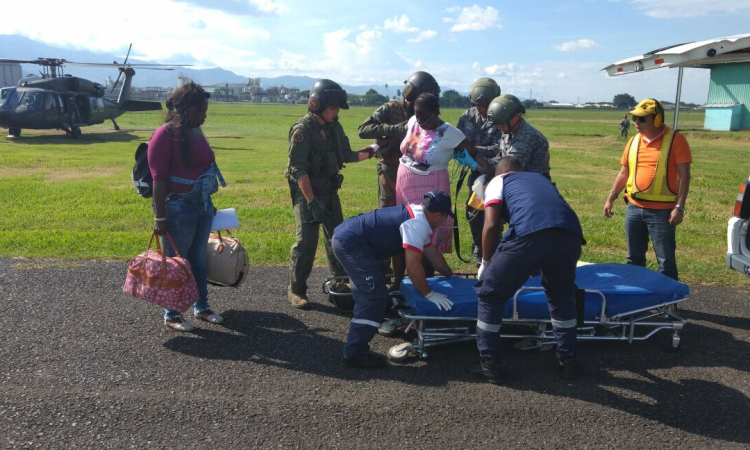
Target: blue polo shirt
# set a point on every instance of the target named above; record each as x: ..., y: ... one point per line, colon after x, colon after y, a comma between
x: 530, y: 203
x: 387, y: 231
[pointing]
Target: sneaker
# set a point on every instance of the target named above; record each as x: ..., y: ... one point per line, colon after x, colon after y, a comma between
x: 487, y: 371
x: 568, y: 369
x: 368, y: 361
x: 178, y: 324
x: 209, y: 316
x: 299, y: 301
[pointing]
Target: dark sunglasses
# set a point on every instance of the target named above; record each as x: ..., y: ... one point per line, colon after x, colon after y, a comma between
x: 639, y: 119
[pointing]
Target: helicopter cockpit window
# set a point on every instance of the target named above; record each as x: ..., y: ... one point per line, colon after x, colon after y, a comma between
x: 13, y: 98
x: 49, y: 102
x: 33, y: 99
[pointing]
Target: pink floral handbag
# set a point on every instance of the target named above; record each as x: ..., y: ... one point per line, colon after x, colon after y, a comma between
x: 164, y: 281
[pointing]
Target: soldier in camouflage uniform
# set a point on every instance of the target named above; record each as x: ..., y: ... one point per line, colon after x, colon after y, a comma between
x: 318, y: 149
x: 519, y: 138
x: 486, y: 138
x: 389, y: 122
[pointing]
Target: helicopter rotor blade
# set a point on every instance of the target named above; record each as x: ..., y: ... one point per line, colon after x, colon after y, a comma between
x: 121, y: 71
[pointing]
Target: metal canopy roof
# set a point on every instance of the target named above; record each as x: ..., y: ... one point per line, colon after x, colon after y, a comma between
x: 694, y: 54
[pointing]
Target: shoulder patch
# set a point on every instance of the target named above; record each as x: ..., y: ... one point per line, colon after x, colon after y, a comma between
x: 298, y: 136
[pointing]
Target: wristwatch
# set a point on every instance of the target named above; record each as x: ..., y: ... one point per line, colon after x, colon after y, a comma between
x: 680, y: 208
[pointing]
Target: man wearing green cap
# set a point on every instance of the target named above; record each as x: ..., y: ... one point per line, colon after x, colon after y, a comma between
x: 656, y: 175
x: 519, y: 138
x: 318, y: 149
x: 486, y: 138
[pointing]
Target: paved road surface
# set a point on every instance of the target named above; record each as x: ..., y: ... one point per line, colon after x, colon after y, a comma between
x: 83, y: 365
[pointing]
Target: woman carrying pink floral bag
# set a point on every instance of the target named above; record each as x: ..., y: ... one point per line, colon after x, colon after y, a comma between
x: 162, y: 280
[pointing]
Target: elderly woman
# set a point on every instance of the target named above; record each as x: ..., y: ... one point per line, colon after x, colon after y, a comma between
x: 427, y: 149
x: 185, y: 175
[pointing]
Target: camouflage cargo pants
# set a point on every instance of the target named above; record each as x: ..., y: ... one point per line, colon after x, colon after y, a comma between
x: 308, y: 232
x: 387, y: 173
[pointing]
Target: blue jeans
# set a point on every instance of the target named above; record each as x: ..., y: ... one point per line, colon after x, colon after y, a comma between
x: 365, y: 270
x: 642, y: 223
x: 189, y: 221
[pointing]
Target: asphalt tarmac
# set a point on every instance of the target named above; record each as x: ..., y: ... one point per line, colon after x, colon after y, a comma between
x: 83, y: 365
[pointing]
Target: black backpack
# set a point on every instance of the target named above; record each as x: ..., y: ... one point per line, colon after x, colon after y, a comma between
x: 142, y: 180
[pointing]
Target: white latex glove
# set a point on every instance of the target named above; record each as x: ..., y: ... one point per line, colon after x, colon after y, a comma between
x: 440, y: 300
x: 482, y: 268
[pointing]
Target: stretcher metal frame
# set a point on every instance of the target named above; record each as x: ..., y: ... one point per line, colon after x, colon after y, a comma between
x: 631, y: 326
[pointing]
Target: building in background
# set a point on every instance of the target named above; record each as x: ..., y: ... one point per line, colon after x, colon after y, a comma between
x: 10, y: 74
x: 728, y: 97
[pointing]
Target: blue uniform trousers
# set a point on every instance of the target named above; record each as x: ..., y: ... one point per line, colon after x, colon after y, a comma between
x: 555, y: 251
x: 370, y: 293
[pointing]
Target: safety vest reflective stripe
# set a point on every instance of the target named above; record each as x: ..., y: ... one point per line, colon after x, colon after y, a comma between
x: 366, y: 322
x: 564, y: 323
x: 488, y: 327
x: 658, y: 190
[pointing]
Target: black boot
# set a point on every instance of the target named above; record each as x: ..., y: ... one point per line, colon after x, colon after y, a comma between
x: 368, y: 361
x: 568, y: 369
x: 491, y: 372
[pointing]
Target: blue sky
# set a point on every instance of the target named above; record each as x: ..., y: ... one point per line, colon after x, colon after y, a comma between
x: 551, y: 49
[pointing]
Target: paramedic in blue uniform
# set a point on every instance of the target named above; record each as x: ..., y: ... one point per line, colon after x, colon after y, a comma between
x: 543, y: 233
x: 361, y: 244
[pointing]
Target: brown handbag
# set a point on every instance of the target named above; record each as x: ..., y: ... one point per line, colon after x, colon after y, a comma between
x: 226, y: 260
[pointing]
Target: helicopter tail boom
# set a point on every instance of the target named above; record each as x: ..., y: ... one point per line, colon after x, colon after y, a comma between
x: 141, y: 105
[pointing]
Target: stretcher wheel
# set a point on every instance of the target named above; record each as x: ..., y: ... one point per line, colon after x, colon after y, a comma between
x: 401, y: 352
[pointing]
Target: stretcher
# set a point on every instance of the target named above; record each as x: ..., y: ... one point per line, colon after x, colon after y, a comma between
x: 615, y: 302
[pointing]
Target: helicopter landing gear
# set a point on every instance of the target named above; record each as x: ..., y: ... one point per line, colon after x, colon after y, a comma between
x: 14, y: 132
x: 117, y: 127
x: 75, y: 132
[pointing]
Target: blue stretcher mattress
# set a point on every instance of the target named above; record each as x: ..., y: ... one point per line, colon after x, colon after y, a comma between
x: 626, y: 287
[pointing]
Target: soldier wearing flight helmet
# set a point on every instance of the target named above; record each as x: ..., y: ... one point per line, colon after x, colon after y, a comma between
x: 486, y: 138
x: 318, y: 149
x: 519, y: 138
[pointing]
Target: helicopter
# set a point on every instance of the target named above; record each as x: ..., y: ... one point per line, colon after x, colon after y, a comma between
x: 57, y: 101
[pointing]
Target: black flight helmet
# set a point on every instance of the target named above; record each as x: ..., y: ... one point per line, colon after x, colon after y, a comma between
x: 483, y: 91
x: 325, y: 93
x: 419, y: 83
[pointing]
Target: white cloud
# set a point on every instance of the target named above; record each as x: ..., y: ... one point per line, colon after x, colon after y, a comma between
x: 423, y: 36
x: 579, y: 44
x: 671, y: 9
x: 270, y: 6
x: 209, y: 36
x: 475, y: 18
x: 400, y: 25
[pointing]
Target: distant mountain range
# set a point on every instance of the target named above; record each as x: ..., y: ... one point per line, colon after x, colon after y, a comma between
x: 19, y: 47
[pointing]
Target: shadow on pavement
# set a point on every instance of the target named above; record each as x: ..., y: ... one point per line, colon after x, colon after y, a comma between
x: 279, y: 340
x: 647, y: 383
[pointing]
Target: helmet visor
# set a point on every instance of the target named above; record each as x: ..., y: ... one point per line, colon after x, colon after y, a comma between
x: 337, y: 97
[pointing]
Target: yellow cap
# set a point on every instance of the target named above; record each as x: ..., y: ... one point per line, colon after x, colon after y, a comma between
x: 645, y: 108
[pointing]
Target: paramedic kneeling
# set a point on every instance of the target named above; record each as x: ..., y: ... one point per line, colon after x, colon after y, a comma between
x: 543, y: 234
x: 361, y: 244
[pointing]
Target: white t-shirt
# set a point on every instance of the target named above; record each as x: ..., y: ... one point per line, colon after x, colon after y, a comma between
x: 429, y: 150
x: 416, y: 231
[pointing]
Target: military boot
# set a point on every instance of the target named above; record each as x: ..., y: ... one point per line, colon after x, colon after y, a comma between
x: 299, y: 301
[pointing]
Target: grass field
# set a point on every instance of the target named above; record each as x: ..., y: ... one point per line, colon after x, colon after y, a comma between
x: 74, y: 200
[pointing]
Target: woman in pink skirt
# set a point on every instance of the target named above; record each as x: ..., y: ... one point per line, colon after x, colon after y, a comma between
x: 427, y: 149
